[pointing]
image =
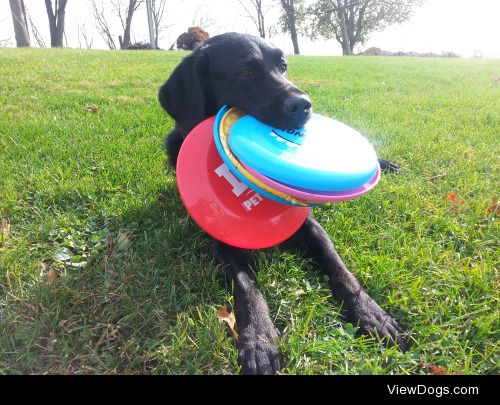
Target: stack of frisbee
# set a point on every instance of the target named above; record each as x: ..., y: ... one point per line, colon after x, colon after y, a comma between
x: 251, y: 186
x: 325, y: 161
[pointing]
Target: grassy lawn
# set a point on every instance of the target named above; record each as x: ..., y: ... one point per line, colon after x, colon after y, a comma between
x: 102, y: 271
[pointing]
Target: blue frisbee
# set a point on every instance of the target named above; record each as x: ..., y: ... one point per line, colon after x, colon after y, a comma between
x: 324, y: 155
x: 223, y: 120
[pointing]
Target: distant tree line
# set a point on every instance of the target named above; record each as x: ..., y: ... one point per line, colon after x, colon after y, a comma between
x: 349, y: 22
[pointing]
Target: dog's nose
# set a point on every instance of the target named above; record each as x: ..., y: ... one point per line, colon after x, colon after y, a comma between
x: 297, y: 106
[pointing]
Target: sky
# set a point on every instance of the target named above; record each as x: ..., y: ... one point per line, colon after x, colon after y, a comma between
x: 466, y: 27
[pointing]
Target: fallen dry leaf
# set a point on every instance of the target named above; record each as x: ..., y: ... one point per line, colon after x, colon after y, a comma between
x: 228, y: 317
x: 453, y: 198
x: 113, y: 332
x: 438, y: 176
x: 92, y: 108
x: 455, y: 201
x: 110, y: 248
x: 494, y: 208
x: 4, y: 230
x: 436, y: 370
x: 52, y: 276
x: 70, y: 370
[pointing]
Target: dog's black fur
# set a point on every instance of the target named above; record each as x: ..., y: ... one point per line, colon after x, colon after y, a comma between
x: 245, y: 71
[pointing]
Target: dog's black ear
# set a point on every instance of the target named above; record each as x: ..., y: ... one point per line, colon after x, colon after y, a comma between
x: 183, y: 94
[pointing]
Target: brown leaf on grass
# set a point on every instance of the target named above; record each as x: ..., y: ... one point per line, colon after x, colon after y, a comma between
x: 110, y: 248
x: 70, y: 370
x: 496, y: 78
x: 113, y: 332
x: 52, y: 277
x: 494, y: 208
x: 92, y: 108
x: 453, y: 198
x: 4, y: 230
x: 436, y: 370
x: 431, y: 368
x: 229, y: 318
x: 110, y: 334
x: 438, y: 176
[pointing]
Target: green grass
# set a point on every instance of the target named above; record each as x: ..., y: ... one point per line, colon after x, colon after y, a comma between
x: 89, y: 199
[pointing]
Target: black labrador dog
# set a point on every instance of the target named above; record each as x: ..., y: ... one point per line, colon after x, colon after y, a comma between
x: 244, y: 71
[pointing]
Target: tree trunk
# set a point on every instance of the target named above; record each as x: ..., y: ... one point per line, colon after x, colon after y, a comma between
x: 158, y: 14
x: 125, y: 43
x: 262, y: 27
x: 20, y: 23
x: 56, y: 22
x: 342, y: 15
x: 351, y: 50
x: 347, y: 46
x: 291, y: 20
x: 295, y: 40
x: 347, y: 50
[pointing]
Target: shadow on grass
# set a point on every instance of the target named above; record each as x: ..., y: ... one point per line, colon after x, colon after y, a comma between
x: 146, y: 289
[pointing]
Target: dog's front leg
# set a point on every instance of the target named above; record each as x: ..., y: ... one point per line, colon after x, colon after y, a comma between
x: 389, y: 166
x: 358, y: 307
x: 258, y: 351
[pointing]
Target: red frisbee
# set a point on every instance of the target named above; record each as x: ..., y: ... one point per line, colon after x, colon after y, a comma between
x: 223, y: 206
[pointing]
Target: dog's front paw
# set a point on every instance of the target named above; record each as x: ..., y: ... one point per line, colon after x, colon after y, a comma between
x: 374, y: 321
x: 388, y: 166
x: 259, y: 353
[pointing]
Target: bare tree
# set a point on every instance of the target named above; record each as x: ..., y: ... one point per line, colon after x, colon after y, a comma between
x: 4, y: 42
x: 201, y: 18
x: 56, y: 21
x: 256, y: 12
x: 293, y: 16
x: 158, y: 7
x: 20, y: 23
x: 83, y: 32
x: 124, y: 12
x: 102, y: 24
x: 125, y: 16
x: 36, y: 33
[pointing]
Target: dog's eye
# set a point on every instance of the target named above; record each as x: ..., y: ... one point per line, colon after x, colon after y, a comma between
x: 247, y: 73
x: 283, y: 66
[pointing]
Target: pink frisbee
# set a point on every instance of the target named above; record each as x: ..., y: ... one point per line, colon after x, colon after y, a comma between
x: 223, y: 206
x: 317, y: 196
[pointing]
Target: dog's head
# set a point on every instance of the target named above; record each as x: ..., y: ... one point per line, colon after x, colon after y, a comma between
x: 237, y: 70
